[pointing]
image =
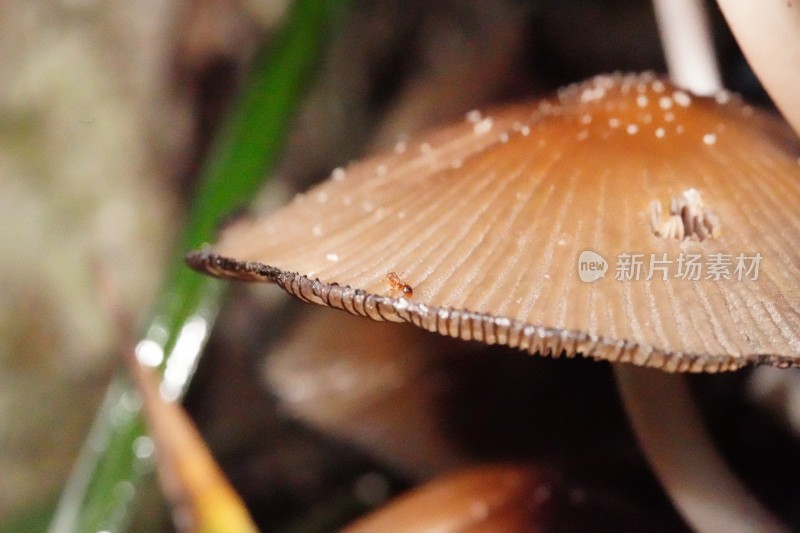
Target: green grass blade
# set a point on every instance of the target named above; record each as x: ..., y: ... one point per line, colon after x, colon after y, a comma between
x: 100, y: 492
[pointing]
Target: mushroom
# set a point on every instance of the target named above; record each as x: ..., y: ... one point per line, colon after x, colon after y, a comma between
x: 507, y: 498
x: 769, y: 34
x: 625, y: 220
x: 373, y: 388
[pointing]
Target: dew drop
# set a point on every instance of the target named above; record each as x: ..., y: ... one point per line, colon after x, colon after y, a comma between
x: 591, y: 94
x: 682, y: 99
x: 722, y: 97
x: 474, y: 116
x: 641, y: 101
x: 149, y: 353
x: 632, y: 129
x: 665, y: 102
x: 332, y: 257
x: 130, y: 402
x: 338, y: 174
x: 660, y: 132
x: 546, y: 107
x: 143, y: 447
x: 709, y: 138
x: 483, y: 127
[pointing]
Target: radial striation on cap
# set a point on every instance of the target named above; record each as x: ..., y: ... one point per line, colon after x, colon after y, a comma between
x: 623, y: 219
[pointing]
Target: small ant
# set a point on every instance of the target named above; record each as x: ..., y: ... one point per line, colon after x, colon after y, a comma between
x: 398, y: 285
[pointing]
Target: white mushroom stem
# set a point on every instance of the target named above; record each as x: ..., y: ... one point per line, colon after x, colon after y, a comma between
x: 671, y: 434
x: 688, y: 47
x: 777, y: 391
x: 769, y: 34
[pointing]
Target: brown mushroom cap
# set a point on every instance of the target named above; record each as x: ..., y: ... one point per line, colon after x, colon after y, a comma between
x: 507, y: 498
x: 486, y: 220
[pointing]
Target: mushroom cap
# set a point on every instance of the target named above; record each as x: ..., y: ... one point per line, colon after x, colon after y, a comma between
x: 509, y: 498
x: 572, y: 225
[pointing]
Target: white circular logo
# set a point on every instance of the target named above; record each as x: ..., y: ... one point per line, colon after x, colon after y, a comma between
x: 591, y: 266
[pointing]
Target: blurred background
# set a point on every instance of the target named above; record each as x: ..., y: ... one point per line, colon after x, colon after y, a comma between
x: 107, y: 110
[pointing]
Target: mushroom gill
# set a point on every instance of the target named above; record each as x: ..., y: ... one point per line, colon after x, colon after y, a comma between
x: 535, y: 226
